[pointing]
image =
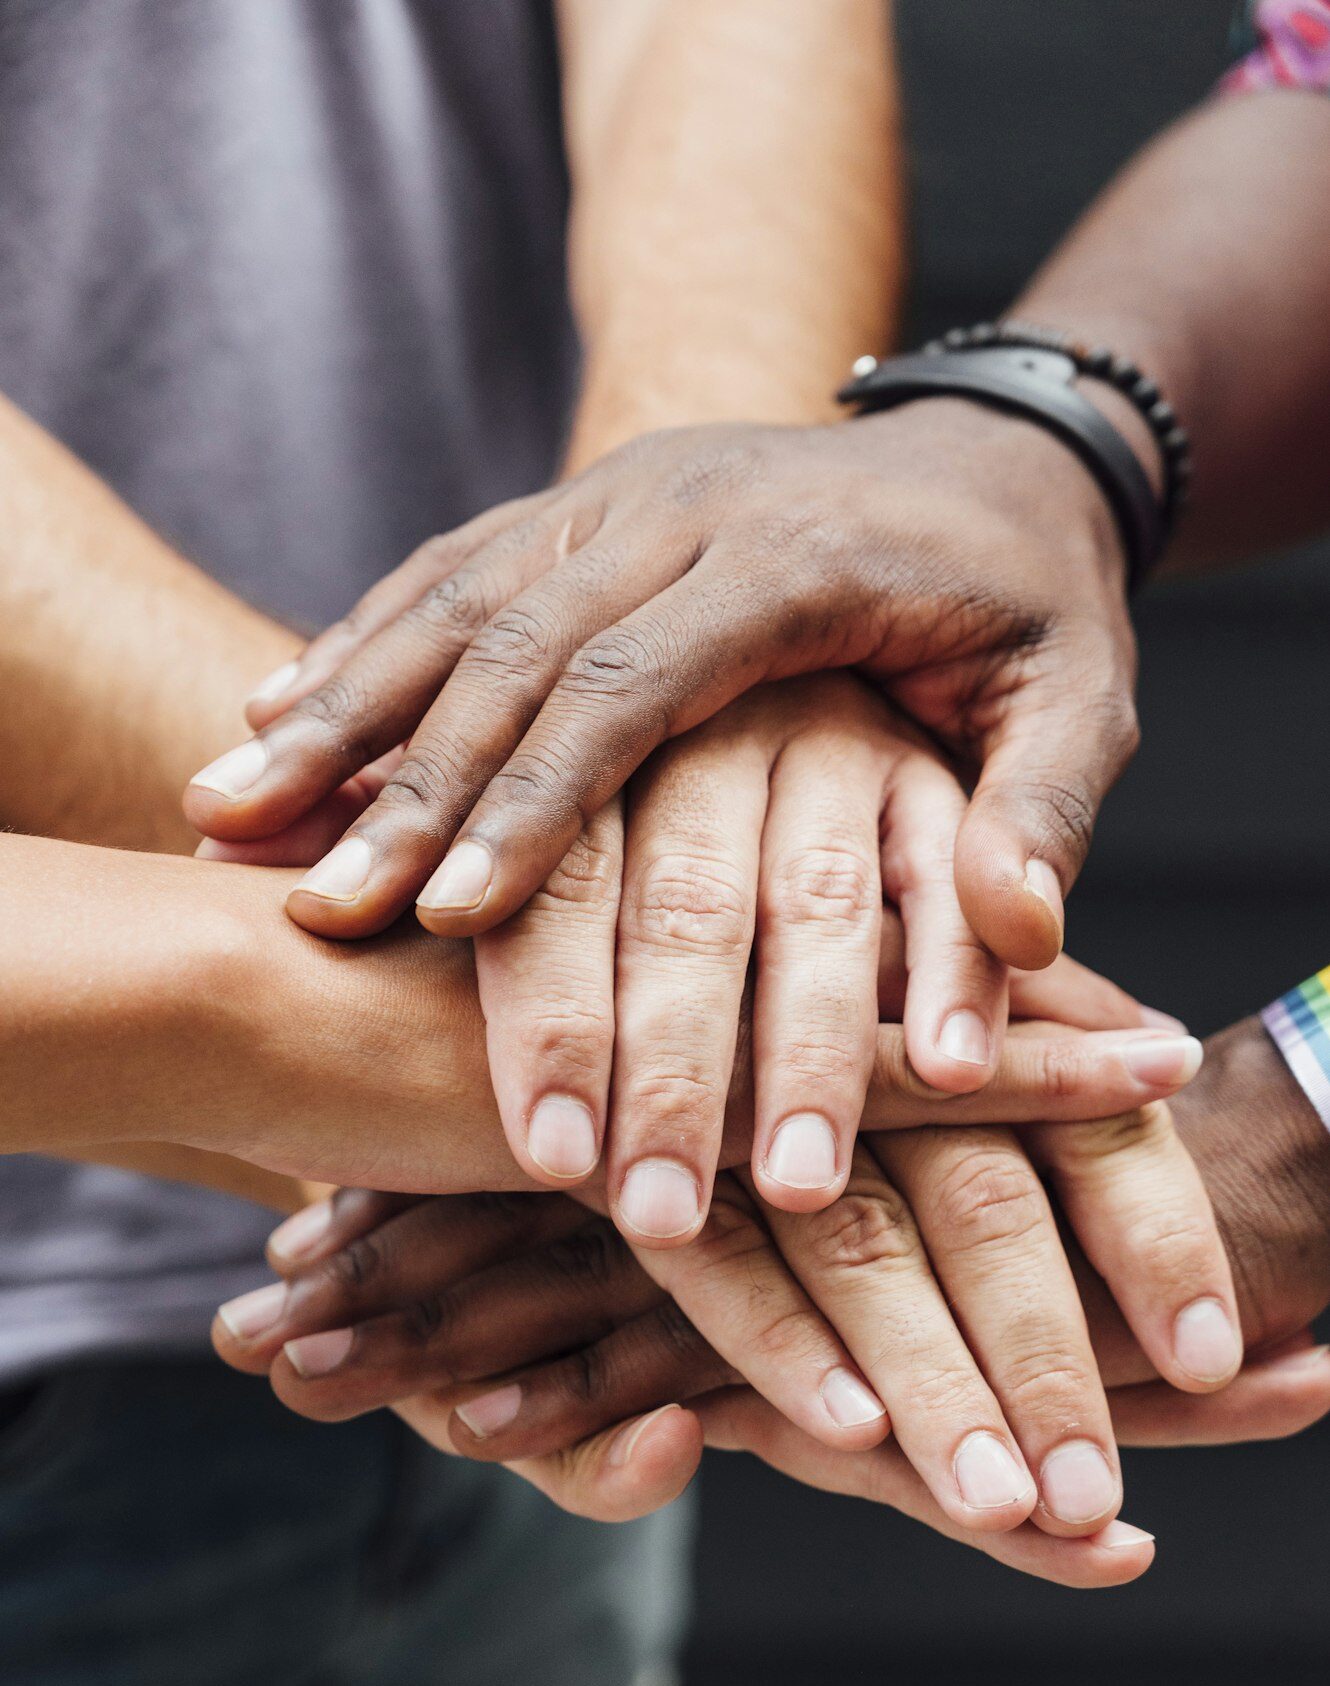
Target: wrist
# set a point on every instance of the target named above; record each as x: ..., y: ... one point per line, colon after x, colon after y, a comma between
x: 1265, y: 1158
x: 1024, y: 476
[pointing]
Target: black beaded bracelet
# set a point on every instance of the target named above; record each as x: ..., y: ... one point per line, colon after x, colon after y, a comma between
x: 1032, y: 372
x: 1101, y: 364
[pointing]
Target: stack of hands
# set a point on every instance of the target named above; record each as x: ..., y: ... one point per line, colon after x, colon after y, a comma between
x: 747, y: 953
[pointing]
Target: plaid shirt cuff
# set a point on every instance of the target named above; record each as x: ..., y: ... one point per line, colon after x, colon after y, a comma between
x: 1299, y: 1024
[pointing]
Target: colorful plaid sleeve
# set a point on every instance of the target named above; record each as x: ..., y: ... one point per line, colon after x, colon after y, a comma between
x: 1285, y: 43
x: 1299, y: 1023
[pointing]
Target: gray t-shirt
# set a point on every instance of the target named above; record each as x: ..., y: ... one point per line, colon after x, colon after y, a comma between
x: 289, y: 274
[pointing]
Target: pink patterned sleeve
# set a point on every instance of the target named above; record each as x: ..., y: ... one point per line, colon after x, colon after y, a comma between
x: 1291, y: 50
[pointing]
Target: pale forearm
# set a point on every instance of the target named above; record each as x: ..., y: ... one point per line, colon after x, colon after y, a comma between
x: 735, y: 235
x: 123, y: 667
x: 1208, y: 260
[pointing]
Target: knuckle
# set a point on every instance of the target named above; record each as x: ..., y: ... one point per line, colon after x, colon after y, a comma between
x: 538, y: 778
x: 1049, y: 1383
x: 591, y: 1258
x: 425, y: 1321
x: 588, y: 873
x: 585, y: 1376
x: 618, y: 662
x: 337, y: 704
x: 516, y: 639
x: 783, y: 1336
x: 943, y: 1391
x: 692, y: 903
x: 422, y: 785
x: 1066, y: 811
x: 681, y: 1097
x: 827, y: 1055
x: 1167, y: 1250
x: 864, y: 1231
x: 451, y: 608
x: 673, y: 1331
x: 826, y: 886
x: 989, y: 1199
x: 731, y: 1232
x: 575, y: 1035
x: 1059, y: 1071
x: 355, y: 1268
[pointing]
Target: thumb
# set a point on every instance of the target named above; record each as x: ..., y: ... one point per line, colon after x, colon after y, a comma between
x: 624, y: 1472
x: 1026, y: 833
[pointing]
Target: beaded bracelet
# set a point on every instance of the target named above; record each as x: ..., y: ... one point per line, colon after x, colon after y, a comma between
x: 1101, y: 364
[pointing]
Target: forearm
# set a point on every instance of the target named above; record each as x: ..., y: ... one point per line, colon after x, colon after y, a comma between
x: 1208, y: 261
x: 122, y: 666
x: 160, y: 999
x: 734, y: 237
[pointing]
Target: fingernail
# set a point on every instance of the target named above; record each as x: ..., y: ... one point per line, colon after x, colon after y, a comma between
x: 1164, y: 1059
x: 849, y: 1401
x: 1076, y: 1483
x: 1153, y: 1019
x: 659, y: 1198
x: 302, y: 1232
x: 1119, y: 1535
x: 489, y: 1413
x: 1205, y: 1343
x: 625, y: 1442
x: 232, y: 774
x: 340, y: 876
x: 987, y: 1474
x: 1042, y: 881
x: 462, y: 880
x: 803, y: 1152
x: 317, y: 1355
x: 278, y: 681
x: 561, y: 1136
x: 964, y: 1038
x: 252, y: 1313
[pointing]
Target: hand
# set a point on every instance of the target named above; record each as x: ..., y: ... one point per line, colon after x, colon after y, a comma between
x: 963, y: 559
x: 763, y: 833
x: 805, y: 1310
x: 781, y: 821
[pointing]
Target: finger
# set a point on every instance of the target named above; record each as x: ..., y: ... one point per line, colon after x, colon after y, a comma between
x: 956, y: 999
x: 494, y: 693
x: 737, y: 1292
x: 314, y: 833
x: 685, y: 935
x: 324, y: 1227
x: 738, y: 1420
x: 1062, y: 744
x: 392, y: 1262
x: 1266, y: 1401
x: 651, y: 1359
x: 652, y: 675
x: 865, y: 1266
x: 818, y: 947
x: 522, y: 1311
x: 1136, y: 1202
x: 1044, y: 1073
x: 994, y: 1244
x: 624, y: 1472
x: 376, y: 699
x: 546, y: 979
x: 1068, y: 993
x: 381, y: 604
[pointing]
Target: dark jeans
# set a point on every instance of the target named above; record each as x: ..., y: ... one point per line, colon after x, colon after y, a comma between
x: 170, y: 1523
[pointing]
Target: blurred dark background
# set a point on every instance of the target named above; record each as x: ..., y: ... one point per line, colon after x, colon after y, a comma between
x: 1206, y: 895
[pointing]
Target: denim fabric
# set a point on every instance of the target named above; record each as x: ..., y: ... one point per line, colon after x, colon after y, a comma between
x: 170, y: 1524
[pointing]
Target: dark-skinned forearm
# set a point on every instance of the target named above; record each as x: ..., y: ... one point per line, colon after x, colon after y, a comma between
x: 1208, y: 260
